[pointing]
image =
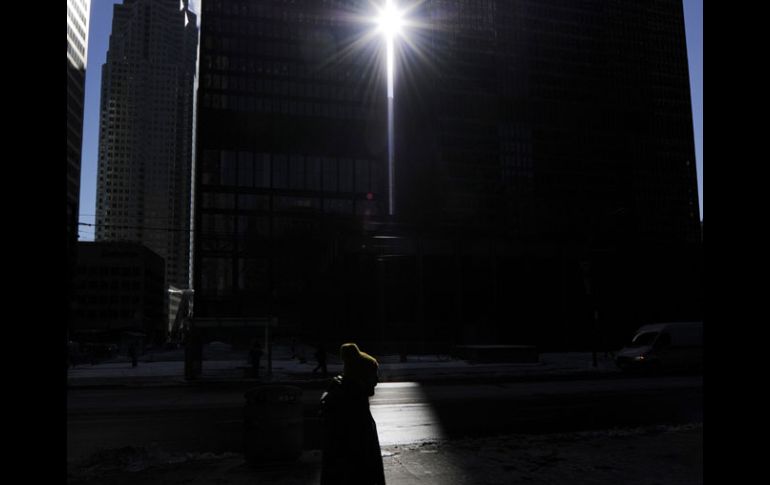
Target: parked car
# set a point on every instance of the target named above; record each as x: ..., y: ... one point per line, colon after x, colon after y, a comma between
x: 664, y: 347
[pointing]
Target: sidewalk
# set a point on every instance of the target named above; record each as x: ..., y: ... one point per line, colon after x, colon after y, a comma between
x: 422, y: 368
x: 664, y: 455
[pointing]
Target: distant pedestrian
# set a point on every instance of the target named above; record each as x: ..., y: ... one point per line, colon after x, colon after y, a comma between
x: 301, y: 354
x: 293, y: 348
x: 193, y: 353
x: 133, y: 354
x: 351, y: 448
x: 320, y: 356
x: 255, y: 355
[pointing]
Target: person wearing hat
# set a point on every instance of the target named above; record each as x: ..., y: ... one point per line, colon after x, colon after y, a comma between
x: 351, y: 447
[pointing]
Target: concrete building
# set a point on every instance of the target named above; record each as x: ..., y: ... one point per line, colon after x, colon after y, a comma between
x: 145, y: 139
x: 119, y: 287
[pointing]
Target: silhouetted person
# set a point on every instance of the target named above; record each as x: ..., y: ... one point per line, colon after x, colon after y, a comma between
x: 255, y: 355
x: 351, y: 448
x: 71, y: 354
x: 301, y: 353
x: 320, y: 356
x: 134, y: 354
x: 193, y: 354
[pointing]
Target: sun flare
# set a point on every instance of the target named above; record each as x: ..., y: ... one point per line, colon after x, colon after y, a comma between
x: 390, y: 19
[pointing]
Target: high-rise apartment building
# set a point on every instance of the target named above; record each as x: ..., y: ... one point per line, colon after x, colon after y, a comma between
x: 145, y: 140
x: 535, y: 141
x: 77, y: 56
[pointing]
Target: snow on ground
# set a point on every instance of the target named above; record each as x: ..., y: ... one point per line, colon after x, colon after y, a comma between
x: 659, y: 455
x: 656, y: 455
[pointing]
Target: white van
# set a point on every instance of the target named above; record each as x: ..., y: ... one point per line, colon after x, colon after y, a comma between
x: 664, y: 346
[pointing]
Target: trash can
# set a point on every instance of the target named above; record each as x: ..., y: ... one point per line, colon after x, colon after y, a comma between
x: 273, y: 424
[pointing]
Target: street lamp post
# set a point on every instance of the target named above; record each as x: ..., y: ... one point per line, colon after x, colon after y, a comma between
x: 586, y: 267
x: 588, y: 274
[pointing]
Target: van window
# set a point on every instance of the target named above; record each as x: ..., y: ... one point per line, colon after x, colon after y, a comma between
x: 643, y: 339
x: 663, y: 341
x: 689, y: 336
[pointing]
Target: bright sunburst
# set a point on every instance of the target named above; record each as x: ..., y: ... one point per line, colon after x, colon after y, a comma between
x: 396, y: 30
x: 389, y: 19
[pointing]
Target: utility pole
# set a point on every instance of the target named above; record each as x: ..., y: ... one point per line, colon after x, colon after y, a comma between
x: 380, y: 261
x: 586, y: 267
x: 420, y: 290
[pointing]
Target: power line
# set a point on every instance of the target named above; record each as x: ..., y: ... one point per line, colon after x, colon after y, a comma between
x: 117, y: 226
x: 143, y: 217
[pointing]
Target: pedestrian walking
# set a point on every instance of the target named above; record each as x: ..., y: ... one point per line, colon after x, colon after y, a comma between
x: 320, y: 355
x: 134, y: 354
x: 351, y: 448
x: 255, y: 355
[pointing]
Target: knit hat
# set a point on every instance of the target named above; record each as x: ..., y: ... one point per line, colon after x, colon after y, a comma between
x: 360, y: 367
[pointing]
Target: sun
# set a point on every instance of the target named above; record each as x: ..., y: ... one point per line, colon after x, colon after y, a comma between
x: 389, y: 19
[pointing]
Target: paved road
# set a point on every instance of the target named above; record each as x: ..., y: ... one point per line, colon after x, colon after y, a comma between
x: 196, y: 419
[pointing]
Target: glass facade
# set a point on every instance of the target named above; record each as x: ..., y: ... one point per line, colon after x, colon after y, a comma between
x: 518, y: 124
x: 286, y: 157
x: 145, y: 140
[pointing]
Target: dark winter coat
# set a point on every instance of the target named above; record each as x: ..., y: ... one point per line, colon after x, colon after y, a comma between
x: 351, y: 448
x: 255, y: 354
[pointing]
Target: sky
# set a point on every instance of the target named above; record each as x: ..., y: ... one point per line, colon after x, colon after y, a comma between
x: 693, y: 24
x: 100, y: 25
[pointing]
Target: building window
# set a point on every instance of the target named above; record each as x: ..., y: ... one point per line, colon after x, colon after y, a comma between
x: 245, y: 169
x: 330, y: 175
x: 216, y: 275
x: 229, y: 168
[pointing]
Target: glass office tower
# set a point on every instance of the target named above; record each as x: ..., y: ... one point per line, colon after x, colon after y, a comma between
x: 533, y: 140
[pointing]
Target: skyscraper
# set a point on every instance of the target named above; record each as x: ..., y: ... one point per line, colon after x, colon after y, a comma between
x: 557, y: 119
x: 77, y: 56
x: 530, y: 136
x: 290, y: 141
x: 145, y: 139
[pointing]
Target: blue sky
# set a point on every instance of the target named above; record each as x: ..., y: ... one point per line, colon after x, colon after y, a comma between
x: 100, y: 25
x: 693, y: 18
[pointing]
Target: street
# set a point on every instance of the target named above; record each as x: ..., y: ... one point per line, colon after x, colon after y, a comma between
x: 211, y: 419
